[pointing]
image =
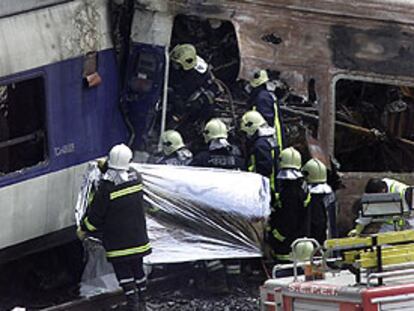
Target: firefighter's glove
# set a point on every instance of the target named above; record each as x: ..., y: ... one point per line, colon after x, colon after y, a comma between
x: 80, y: 233
x: 357, y: 231
x: 353, y: 233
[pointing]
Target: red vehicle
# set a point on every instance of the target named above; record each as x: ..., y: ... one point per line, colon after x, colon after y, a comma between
x: 382, y: 278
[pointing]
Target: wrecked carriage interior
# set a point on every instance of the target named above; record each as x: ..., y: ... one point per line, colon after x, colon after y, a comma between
x: 216, y: 42
x: 371, y: 117
x: 374, y: 118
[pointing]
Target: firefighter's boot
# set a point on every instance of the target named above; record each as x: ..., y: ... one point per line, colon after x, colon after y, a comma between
x: 133, y: 302
x: 233, y: 273
x: 216, y: 282
x: 142, y: 304
x: 131, y: 296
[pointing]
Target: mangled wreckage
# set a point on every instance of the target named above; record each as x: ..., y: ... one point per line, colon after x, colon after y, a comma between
x: 342, y: 73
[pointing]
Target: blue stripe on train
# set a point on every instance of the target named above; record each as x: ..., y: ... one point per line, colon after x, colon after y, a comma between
x: 82, y: 123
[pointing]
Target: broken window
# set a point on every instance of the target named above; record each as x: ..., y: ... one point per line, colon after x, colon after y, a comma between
x: 374, y: 126
x: 22, y: 125
x: 215, y: 41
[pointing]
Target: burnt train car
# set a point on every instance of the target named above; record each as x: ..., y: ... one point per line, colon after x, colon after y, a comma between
x: 354, y: 58
x: 52, y: 121
x: 62, y: 84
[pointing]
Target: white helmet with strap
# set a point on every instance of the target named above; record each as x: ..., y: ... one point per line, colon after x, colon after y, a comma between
x: 119, y: 157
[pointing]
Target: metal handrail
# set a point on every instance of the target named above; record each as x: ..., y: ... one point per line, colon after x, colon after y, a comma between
x: 387, y: 274
x: 21, y: 139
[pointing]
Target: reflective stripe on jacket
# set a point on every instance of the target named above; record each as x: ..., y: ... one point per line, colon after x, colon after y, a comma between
x: 117, y: 211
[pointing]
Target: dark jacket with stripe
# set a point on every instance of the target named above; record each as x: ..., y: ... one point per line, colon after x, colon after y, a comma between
x: 264, y: 155
x: 181, y: 157
x: 288, y: 221
x: 117, y: 210
x: 226, y: 157
x: 265, y: 102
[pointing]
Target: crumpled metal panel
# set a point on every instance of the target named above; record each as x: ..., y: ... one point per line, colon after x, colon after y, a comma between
x: 199, y: 213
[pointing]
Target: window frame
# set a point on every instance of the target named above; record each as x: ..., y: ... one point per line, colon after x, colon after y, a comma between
x: 17, y: 78
x: 362, y: 77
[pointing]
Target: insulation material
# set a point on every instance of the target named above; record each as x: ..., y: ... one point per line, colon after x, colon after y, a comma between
x: 198, y: 213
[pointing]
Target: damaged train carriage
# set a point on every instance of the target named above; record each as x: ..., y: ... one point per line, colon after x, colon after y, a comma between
x: 58, y: 110
x: 354, y: 59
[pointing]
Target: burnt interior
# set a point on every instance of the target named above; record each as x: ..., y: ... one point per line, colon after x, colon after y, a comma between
x: 215, y: 41
x: 22, y: 125
x: 375, y: 128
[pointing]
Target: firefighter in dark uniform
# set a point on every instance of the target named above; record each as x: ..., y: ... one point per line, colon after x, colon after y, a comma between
x: 193, y: 87
x: 117, y: 210
x: 220, y: 153
x: 322, y: 207
x: 287, y: 221
x: 174, y: 150
x: 262, y: 147
x: 264, y: 101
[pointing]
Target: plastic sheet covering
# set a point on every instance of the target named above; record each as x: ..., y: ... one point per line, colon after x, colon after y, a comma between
x: 198, y: 213
x: 98, y: 275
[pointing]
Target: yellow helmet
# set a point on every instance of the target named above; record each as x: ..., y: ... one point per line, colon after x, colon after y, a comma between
x: 251, y: 121
x: 185, y: 55
x: 290, y: 158
x: 215, y: 128
x: 171, y: 142
x: 314, y: 171
x: 259, y: 78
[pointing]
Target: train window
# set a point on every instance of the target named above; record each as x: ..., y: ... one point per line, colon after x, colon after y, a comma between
x: 375, y: 126
x: 22, y: 125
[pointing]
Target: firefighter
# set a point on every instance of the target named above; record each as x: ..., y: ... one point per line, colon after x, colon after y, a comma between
x: 220, y: 153
x: 174, y: 150
x: 117, y: 210
x: 263, y: 100
x: 384, y: 185
x: 193, y: 87
x: 287, y: 221
x: 262, y: 147
x: 321, y: 218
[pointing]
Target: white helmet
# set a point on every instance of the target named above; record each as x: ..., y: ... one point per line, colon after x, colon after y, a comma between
x: 119, y: 157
